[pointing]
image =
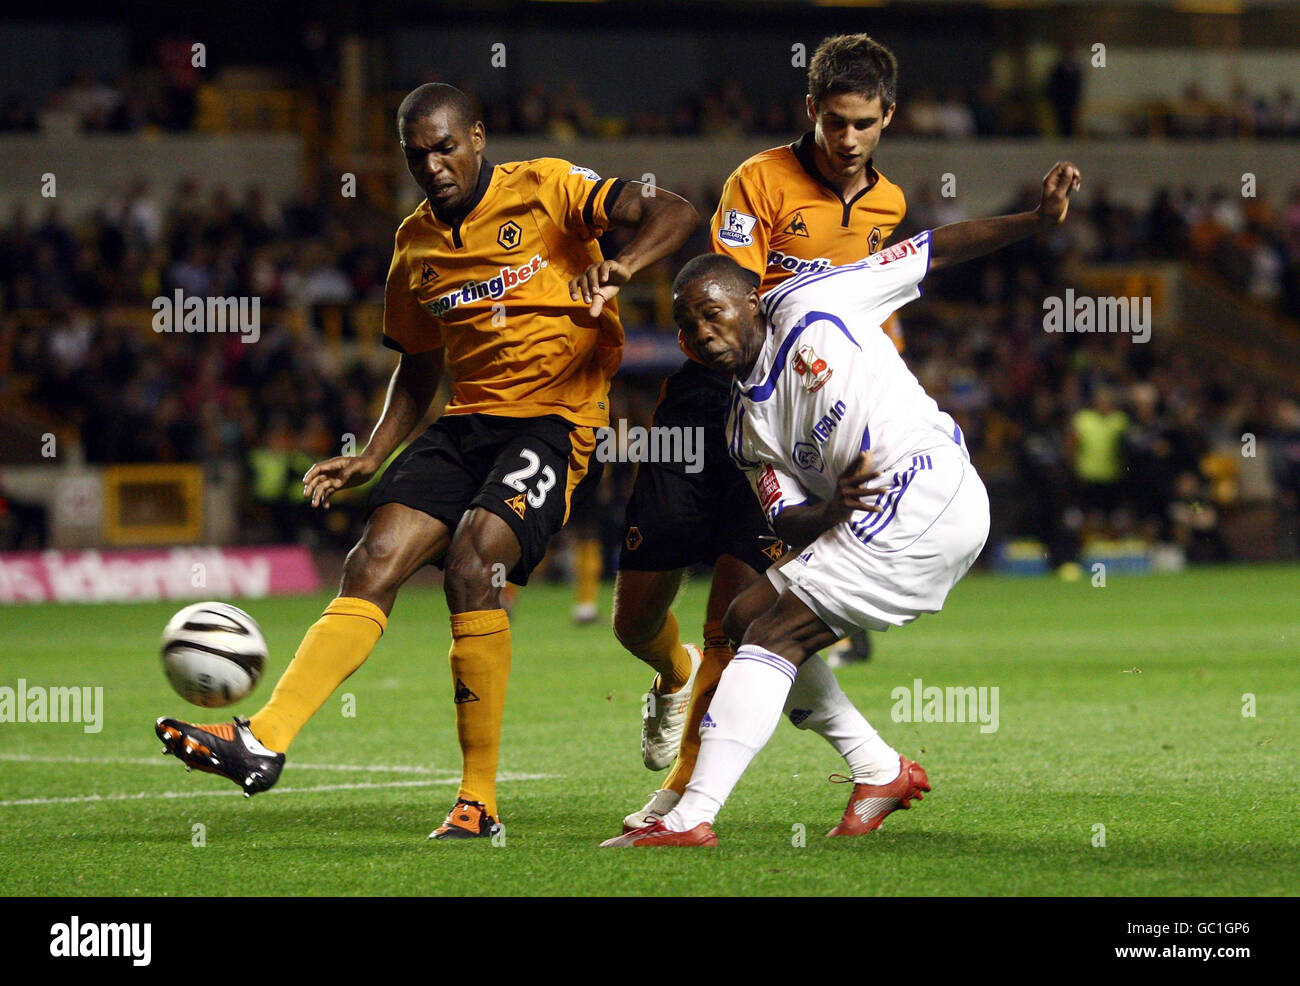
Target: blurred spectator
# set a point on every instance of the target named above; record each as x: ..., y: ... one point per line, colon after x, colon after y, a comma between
x: 1064, y: 92
x: 180, y: 81
x: 1095, y: 444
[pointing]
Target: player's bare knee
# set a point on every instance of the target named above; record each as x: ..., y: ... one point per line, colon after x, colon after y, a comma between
x: 373, y: 567
x: 631, y: 626
x: 641, y: 604
x: 772, y: 632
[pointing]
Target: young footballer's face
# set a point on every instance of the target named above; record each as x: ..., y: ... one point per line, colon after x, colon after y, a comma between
x: 720, y: 325
x: 847, y: 127
x: 443, y: 155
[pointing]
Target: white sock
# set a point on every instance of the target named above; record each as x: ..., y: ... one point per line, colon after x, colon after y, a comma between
x: 817, y: 702
x: 741, y: 719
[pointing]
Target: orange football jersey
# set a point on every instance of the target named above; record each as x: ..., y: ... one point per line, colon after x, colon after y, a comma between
x: 494, y: 293
x: 779, y: 217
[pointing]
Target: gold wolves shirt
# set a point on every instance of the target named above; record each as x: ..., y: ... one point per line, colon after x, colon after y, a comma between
x: 829, y: 384
x: 779, y: 217
x: 494, y: 291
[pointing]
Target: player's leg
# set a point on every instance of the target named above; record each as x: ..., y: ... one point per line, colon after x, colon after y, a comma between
x: 396, y: 542
x: 644, y: 622
x: 741, y: 719
x: 666, y: 531
x: 657, y: 548
x: 482, y: 550
x: 414, y: 507
x: 817, y: 702
x: 731, y: 576
x: 533, y: 467
x: 585, y: 550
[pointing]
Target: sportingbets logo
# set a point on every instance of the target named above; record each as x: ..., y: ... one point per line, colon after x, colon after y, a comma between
x: 796, y: 265
x: 504, y: 281
x: 735, y: 228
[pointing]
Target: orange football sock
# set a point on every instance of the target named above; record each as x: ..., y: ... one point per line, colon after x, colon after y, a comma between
x: 665, y: 653
x: 717, y: 655
x: 335, y: 646
x: 480, y: 668
x: 587, y: 564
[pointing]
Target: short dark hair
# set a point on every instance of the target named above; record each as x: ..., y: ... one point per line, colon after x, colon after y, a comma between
x: 714, y: 266
x: 855, y: 63
x: 427, y: 99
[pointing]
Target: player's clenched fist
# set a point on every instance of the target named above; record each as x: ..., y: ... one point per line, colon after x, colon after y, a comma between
x: 1061, y: 182
x: 332, y: 475
x: 599, y: 283
x: 852, y: 490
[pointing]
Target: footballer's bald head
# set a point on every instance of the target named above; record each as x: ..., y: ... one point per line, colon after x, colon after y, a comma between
x: 718, y: 268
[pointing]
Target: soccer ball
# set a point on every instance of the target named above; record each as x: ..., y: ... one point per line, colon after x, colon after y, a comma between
x: 213, y: 653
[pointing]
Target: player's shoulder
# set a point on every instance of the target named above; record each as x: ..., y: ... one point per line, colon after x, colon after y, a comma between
x: 410, y: 227
x: 543, y: 169
x: 886, y: 189
x: 769, y: 169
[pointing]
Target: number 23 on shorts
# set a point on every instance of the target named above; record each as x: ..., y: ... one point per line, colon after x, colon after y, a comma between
x: 519, y: 479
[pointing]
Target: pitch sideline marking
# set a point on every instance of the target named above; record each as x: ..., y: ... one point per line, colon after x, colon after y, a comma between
x: 168, y: 795
x: 167, y: 762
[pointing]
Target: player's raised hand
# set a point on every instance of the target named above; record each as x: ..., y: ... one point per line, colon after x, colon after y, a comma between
x: 328, y: 477
x: 599, y: 283
x: 853, y: 488
x: 1061, y: 182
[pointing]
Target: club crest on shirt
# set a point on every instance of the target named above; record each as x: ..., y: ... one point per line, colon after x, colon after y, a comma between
x: 807, y: 456
x: 873, y: 240
x: 735, y: 228
x: 509, y: 234
x: 812, y: 369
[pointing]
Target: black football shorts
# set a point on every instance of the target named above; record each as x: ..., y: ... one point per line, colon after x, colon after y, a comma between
x: 677, y: 518
x: 524, y: 470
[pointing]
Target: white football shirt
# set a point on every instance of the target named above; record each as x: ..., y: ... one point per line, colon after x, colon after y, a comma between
x: 829, y: 383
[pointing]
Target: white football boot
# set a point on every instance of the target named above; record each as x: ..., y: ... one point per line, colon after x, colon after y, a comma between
x: 664, y: 719
x: 661, y: 803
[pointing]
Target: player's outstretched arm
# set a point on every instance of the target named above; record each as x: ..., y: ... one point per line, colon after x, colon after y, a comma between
x: 410, y: 392
x: 963, y: 241
x: 663, y: 221
x: 800, y: 526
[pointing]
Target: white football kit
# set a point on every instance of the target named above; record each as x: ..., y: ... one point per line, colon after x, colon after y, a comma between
x: 827, y: 385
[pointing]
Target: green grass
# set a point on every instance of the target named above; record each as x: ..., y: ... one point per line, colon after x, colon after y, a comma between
x: 1195, y: 798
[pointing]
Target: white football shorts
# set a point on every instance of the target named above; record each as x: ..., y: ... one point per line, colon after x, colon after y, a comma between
x: 885, y: 569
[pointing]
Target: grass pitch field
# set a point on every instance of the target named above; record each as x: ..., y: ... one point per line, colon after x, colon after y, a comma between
x: 1119, y: 707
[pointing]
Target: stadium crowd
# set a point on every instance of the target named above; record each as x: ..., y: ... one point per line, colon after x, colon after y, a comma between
x: 165, y: 96
x: 1095, y: 433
